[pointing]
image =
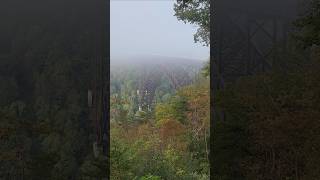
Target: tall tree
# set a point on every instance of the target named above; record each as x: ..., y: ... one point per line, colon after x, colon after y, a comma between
x: 196, y: 12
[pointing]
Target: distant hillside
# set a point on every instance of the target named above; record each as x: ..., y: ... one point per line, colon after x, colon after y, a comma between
x: 153, y: 60
x: 153, y: 72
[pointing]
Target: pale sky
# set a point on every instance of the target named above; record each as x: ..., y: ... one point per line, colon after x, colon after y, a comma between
x: 149, y: 27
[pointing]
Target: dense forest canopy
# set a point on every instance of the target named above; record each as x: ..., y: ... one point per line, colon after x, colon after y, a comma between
x: 159, y: 130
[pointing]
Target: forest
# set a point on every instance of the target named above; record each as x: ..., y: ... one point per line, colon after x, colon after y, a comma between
x: 159, y: 130
x: 270, y: 128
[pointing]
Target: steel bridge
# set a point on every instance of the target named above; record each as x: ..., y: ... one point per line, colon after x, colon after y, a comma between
x: 177, y: 74
x: 249, y: 37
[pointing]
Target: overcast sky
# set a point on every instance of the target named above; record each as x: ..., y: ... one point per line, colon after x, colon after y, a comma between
x: 150, y: 28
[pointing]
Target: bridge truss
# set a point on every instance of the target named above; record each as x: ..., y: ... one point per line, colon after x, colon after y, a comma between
x: 178, y: 75
x: 249, y: 38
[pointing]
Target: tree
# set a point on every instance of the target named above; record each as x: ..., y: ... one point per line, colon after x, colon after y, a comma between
x: 196, y: 12
x: 206, y: 69
x: 309, y: 26
x: 173, y: 109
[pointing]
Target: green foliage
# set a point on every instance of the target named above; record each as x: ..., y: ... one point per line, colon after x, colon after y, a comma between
x: 196, y: 12
x: 150, y: 177
x: 309, y: 26
x: 161, y: 144
x: 206, y: 69
x: 94, y: 168
x: 268, y: 121
x: 173, y: 109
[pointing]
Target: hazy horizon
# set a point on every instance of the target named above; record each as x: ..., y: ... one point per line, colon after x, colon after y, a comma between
x: 149, y: 28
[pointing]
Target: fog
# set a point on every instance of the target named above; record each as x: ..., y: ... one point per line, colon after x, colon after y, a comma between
x: 150, y: 28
